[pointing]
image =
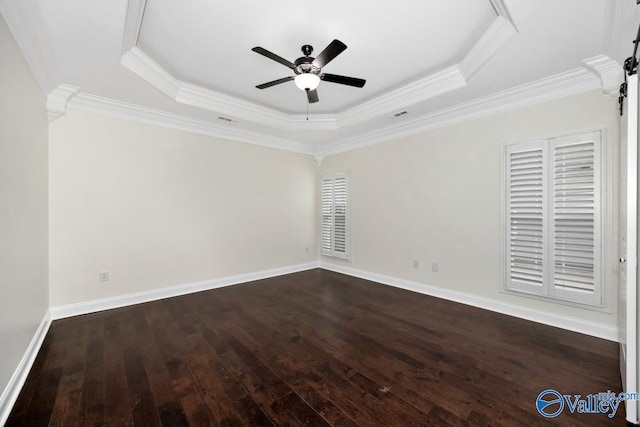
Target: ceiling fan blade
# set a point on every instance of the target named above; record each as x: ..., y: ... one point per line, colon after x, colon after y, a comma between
x: 271, y: 55
x: 334, y: 49
x: 312, y: 96
x: 343, y: 80
x: 275, y: 82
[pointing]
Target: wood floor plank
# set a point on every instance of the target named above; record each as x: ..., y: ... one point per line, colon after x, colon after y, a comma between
x: 217, y: 386
x: 92, y: 410
x: 453, y: 399
x: 43, y: 400
x: 117, y: 399
x: 172, y: 414
x: 143, y: 407
x: 66, y: 408
x: 311, y: 348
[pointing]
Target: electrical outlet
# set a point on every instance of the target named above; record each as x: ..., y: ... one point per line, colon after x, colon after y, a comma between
x: 416, y: 264
x: 434, y: 267
x: 306, y: 250
x: 104, y: 276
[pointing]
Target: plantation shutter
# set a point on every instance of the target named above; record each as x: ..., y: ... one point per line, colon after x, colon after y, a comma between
x: 335, y: 220
x: 576, y: 209
x: 340, y: 215
x: 525, y: 217
x: 553, y: 211
x: 327, y: 215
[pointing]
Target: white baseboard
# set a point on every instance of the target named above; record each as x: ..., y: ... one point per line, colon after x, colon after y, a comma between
x: 12, y: 390
x: 63, y: 311
x: 565, y: 322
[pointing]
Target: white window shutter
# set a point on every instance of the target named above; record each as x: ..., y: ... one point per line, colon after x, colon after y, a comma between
x: 576, y: 213
x: 525, y: 199
x: 553, y: 218
x: 327, y: 216
x: 340, y: 220
x: 335, y: 215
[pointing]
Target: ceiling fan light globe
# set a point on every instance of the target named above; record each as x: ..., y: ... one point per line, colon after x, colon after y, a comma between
x: 307, y: 81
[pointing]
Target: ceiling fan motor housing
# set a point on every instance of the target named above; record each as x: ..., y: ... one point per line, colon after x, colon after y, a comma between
x: 304, y: 64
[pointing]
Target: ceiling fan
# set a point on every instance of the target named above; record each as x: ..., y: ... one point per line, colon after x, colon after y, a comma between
x: 308, y: 70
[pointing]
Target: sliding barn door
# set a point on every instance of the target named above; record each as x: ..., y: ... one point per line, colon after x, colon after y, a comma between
x: 628, y: 247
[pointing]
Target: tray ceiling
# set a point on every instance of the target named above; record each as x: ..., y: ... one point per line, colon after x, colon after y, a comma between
x: 190, y: 63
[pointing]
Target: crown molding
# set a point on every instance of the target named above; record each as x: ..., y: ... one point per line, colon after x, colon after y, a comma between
x: 207, y: 99
x: 24, y: 19
x: 560, y: 85
x: 447, y: 80
x: 58, y: 99
x: 322, y: 122
x: 84, y: 102
x: 427, y: 87
x: 501, y: 10
x: 133, y: 23
x: 611, y: 73
x: 498, y: 34
x: 150, y: 71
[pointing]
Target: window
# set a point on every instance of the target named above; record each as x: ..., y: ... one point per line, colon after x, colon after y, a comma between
x: 335, y: 215
x: 553, y: 218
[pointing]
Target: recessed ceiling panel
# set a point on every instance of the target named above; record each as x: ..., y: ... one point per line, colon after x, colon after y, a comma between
x: 209, y: 44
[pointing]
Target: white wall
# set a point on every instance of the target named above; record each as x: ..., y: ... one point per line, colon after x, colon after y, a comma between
x: 159, y: 208
x: 436, y: 197
x: 24, y: 295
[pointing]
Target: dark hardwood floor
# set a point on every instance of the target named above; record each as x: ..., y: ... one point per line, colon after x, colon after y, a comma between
x: 312, y: 348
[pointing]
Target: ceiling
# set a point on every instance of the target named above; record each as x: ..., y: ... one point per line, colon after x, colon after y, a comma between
x: 189, y: 64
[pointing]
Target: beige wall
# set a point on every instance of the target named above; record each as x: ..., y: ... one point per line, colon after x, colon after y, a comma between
x: 436, y: 197
x: 159, y: 208
x: 24, y: 295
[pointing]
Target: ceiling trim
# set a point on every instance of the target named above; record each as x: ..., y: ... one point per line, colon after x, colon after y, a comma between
x: 438, y: 83
x: 148, y: 70
x: 84, y: 102
x: 428, y: 87
x: 132, y: 24
x: 611, y: 73
x: 501, y: 9
x: 229, y: 106
x: 58, y: 99
x: 324, y: 122
x: 498, y: 34
x: 25, y: 21
x: 449, y: 79
x: 561, y: 85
